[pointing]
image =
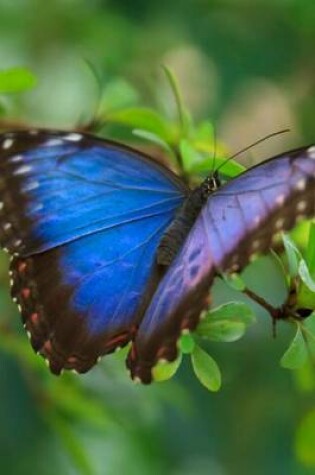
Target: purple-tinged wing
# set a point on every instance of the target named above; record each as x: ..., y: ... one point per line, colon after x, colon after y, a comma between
x: 238, y: 220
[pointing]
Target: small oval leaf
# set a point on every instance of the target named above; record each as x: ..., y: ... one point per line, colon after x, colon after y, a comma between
x: 206, y: 369
x: 223, y: 330
x: 234, y: 281
x: 293, y: 255
x: 305, y: 275
x: 186, y: 343
x: 296, y: 354
x: 166, y: 370
x: 233, y: 311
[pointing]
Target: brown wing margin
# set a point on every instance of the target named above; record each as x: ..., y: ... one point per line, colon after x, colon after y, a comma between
x: 63, y: 342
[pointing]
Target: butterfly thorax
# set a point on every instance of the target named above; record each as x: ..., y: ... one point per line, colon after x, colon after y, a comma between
x: 176, y: 233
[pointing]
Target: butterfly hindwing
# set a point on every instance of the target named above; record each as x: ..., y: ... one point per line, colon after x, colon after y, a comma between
x: 238, y: 220
x: 86, y: 217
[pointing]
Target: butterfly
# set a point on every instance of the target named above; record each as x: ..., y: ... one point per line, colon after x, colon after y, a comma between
x: 109, y: 246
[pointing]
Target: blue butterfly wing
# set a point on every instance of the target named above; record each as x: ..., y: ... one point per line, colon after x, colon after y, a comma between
x: 238, y: 220
x: 83, y: 218
x: 59, y: 187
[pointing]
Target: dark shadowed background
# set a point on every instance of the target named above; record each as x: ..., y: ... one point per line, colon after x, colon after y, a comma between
x: 248, y: 66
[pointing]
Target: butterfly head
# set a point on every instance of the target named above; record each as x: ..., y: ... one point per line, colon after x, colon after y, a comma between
x: 211, y: 184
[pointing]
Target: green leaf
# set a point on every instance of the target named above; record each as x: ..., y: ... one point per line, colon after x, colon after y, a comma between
x: 142, y: 118
x: 293, y: 255
x: 305, y: 275
x: 186, y: 343
x: 304, y: 377
x: 306, y: 296
x: 206, y: 369
x: 308, y: 329
x: 310, y: 252
x: 234, y: 281
x: 205, y: 133
x: 117, y: 94
x: 231, y: 169
x: 16, y: 80
x: 279, y: 266
x: 190, y: 157
x: 305, y: 440
x: 309, y: 324
x: 296, y: 354
x: 226, y: 323
x: 155, y: 139
x: 166, y: 370
x: 233, y: 311
x: 224, y: 331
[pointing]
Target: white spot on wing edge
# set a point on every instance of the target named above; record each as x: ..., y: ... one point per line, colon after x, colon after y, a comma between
x: 279, y: 223
x: 16, y: 158
x: 73, y: 137
x: 301, y: 184
x: 30, y: 186
x: 256, y: 244
x: 38, y: 207
x: 53, y: 142
x: 311, y: 152
x: 7, y: 143
x: 301, y: 206
x: 22, y: 170
x: 280, y: 200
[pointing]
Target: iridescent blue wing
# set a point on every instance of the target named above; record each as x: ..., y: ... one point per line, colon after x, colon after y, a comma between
x: 238, y: 220
x: 83, y: 218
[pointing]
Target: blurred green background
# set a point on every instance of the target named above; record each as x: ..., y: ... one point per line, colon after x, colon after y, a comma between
x: 249, y: 67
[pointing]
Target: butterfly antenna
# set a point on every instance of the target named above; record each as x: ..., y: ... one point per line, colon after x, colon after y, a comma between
x: 273, y: 134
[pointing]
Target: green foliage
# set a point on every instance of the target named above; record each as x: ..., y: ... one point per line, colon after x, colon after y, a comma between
x: 302, y: 346
x: 226, y: 323
x: 129, y: 421
x: 295, y: 356
x: 16, y: 80
x: 186, y: 343
x: 234, y: 281
x: 302, y: 268
x: 166, y: 370
x: 305, y: 440
x: 206, y: 369
x: 142, y: 118
x: 306, y: 297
